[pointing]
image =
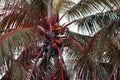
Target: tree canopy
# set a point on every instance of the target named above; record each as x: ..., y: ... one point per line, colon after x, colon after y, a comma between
x: 35, y: 46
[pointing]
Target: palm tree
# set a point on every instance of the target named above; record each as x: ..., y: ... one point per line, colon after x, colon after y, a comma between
x: 35, y: 46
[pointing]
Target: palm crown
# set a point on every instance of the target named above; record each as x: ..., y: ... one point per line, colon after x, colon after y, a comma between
x: 35, y: 46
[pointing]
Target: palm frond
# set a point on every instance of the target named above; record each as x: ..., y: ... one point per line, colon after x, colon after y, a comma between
x: 94, y: 23
x: 87, y: 7
x: 61, y: 5
x: 76, y: 45
x: 19, y: 12
x: 15, y: 71
x: 17, y: 60
x: 57, y: 4
x: 81, y: 38
x: 15, y: 39
x: 101, y: 49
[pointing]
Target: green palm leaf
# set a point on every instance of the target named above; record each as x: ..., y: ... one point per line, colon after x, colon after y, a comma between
x: 11, y: 44
x: 96, y: 22
x: 15, y: 39
x: 88, y: 7
x: 22, y: 13
x: 101, y: 49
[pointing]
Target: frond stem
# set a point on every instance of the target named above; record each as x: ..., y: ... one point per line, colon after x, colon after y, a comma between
x: 62, y: 16
x: 61, y: 61
x: 80, y: 46
x: 69, y: 24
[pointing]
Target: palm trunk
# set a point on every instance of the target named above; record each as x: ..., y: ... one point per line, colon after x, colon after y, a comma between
x: 61, y: 62
x: 49, y: 11
x: 52, y: 16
